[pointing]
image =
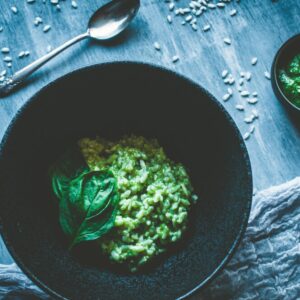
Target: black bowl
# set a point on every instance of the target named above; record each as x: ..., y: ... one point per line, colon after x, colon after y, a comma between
x: 284, y: 55
x: 112, y: 100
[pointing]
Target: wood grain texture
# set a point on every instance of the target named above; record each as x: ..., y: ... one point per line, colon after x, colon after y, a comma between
x: 258, y: 29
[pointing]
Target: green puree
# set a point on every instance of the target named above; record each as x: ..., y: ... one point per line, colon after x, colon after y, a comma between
x: 290, y: 80
x: 155, y: 197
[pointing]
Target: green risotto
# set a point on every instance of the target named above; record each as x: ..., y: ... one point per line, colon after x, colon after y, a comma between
x: 137, y: 201
x: 290, y: 80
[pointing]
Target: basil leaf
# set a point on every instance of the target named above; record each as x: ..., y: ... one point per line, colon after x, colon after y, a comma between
x: 88, y: 200
x: 97, y: 204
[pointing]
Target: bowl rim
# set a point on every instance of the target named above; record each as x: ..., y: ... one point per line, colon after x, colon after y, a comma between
x: 35, y: 97
x: 274, y: 72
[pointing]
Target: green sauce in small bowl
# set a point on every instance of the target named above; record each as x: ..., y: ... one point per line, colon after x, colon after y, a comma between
x: 285, y: 75
x: 289, y: 78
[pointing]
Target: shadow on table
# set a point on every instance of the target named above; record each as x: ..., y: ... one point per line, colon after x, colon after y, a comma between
x: 295, y: 119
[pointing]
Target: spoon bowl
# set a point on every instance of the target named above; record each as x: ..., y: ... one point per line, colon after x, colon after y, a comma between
x: 112, y: 18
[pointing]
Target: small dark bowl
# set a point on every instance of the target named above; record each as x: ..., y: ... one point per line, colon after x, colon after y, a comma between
x: 112, y: 100
x: 284, y: 55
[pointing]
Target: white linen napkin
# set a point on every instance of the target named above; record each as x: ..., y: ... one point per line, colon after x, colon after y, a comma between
x: 267, y: 263
x: 265, y: 266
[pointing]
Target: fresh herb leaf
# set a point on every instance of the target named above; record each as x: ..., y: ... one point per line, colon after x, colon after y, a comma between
x: 98, y: 201
x: 88, y: 200
x: 294, y: 66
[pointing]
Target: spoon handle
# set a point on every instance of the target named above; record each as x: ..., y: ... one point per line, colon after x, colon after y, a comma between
x: 10, y: 83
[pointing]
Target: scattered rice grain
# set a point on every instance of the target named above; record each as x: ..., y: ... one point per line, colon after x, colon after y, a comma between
x: 37, y: 21
x: 249, y: 119
x: 5, y: 50
x: 245, y: 93
x: 206, y: 28
x: 211, y: 5
x: 224, y: 73
x: 21, y: 54
x: 246, y: 136
x: 220, y: 4
x: 7, y: 59
x: 157, y: 46
x: 74, y: 4
x: 231, y: 80
x: 14, y: 9
x: 239, y: 107
x: 46, y: 28
x: 175, y: 58
x: 188, y: 18
x: 252, y: 100
x: 254, y: 61
x: 233, y: 12
x: 227, y: 41
x: 171, y: 6
x: 226, y: 97
x: 267, y: 75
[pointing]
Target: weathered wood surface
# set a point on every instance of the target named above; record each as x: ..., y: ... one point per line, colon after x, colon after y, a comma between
x: 258, y: 29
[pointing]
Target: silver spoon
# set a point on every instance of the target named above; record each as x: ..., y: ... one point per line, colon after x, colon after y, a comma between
x: 107, y: 22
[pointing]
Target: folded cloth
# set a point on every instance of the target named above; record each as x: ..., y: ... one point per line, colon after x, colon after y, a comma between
x: 265, y: 266
x: 267, y: 263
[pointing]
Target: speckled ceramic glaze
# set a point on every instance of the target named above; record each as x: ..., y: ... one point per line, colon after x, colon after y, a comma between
x: 112, y: 100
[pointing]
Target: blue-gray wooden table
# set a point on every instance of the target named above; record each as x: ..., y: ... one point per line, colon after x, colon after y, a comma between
x: 257, y: 30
